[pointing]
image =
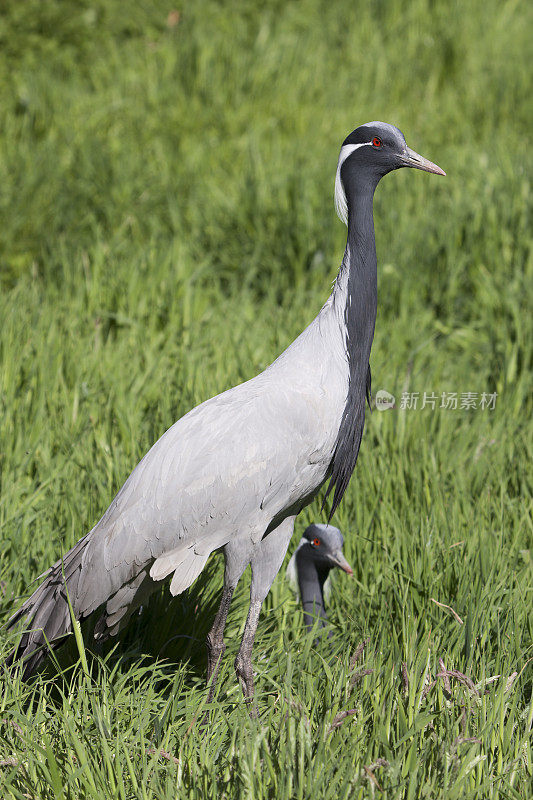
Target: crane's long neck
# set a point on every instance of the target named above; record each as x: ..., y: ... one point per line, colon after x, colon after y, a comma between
x: 355, y: 295
x: 362, y: 291
x: 311, y: 583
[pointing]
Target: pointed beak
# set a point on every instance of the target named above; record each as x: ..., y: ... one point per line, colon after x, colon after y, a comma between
x: 338, y: 559
x: 412, y: 159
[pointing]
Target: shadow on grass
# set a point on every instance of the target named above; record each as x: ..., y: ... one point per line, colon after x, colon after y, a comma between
x: 168, y: 630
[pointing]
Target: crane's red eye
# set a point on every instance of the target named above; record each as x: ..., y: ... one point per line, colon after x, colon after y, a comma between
x: 376, y: 141
x: 316, y: 542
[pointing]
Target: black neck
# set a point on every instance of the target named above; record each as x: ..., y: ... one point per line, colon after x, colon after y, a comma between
x: 359, y: 319
x: 311, y: 582
x: 361, y: 304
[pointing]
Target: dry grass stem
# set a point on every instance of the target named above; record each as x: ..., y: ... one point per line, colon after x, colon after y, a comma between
x: 448, y: 608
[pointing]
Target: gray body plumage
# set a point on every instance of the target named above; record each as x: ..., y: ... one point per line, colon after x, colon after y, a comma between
x: 222, y: 476
x: 235, y: 471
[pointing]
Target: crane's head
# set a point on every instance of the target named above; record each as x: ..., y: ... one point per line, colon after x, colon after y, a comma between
x: 323, y: 544
x: 367, y: 154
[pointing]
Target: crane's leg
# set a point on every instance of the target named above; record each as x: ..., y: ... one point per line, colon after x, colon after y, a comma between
x: 215, y: 641
x: 266, y: 561
x: 236, y: 562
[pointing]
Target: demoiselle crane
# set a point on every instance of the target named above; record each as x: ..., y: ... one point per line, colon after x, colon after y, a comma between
x: 318, y: 552
x: 235, y: 471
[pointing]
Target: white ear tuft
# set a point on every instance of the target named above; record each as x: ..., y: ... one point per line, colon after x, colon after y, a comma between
x: 341, y: 204
x: 291, y: 573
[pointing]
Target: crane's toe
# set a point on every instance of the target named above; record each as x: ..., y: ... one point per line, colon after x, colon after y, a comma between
x: 243, y: 668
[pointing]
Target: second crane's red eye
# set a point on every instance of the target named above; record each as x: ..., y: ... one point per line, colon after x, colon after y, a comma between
x: 316, y: 542
x: 376, y: 141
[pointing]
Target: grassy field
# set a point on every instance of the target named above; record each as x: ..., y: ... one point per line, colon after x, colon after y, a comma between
x: 167, y: 229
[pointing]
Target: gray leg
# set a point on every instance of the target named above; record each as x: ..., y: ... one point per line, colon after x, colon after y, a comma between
x: 266, y: 560
x: 236, y: 562
x: 215, y: 641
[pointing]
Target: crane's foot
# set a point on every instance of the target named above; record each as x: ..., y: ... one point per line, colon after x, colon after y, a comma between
x: 243, y: 668
x: 215, y: 653
x: 243, y: 662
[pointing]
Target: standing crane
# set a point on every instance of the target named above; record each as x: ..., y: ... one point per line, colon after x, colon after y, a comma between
x: 235, y: 471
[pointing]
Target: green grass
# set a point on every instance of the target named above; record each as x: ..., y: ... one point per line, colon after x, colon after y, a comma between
x: 167, y: 229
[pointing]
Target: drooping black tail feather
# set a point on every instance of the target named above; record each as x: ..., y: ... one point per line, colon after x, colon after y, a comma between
x: 47, y: 612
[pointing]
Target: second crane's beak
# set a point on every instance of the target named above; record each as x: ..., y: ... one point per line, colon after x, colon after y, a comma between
x: 338, y: 559
x: 412, y: 159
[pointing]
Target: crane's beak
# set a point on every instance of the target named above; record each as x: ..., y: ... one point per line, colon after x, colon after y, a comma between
x: 412, y: 159
x: 338, y: 559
